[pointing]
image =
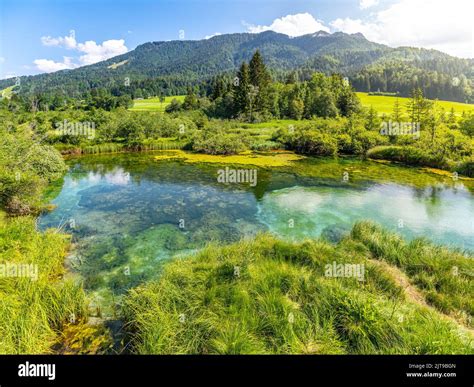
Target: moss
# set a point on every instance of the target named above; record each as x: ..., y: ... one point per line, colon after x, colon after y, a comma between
x: 271, y: 159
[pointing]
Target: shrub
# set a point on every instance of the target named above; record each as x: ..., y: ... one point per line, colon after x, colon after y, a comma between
x: 219, y: 143
x: 408, y: 155
x: 25, y: 169
x: 466, y: 168
x: 313, y: 142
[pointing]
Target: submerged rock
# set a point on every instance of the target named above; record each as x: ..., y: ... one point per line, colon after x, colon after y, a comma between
x: 335, y: 233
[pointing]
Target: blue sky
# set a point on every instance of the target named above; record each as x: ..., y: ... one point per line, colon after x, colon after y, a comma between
x: 35, y: 35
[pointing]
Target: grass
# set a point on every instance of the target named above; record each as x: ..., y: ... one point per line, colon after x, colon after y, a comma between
x: 445, y: 277
x: 114, y: 65
x: 384, y: 104
x: 270, y: 159
x: 161, y: 144
x: 269, y: 296
x: 153, y: 104
x: 7, y: 92
x: 32, y: 312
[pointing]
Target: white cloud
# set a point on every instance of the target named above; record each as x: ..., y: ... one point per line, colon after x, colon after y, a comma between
x: 292, y: 25
x: 49, y: 66
x: 437, y: 24
x: 98, y: 52
x: 364, y: 4
x: 370, y: 30
x: 92, y: 52
x: 68, y: 42
x: 211, y: 36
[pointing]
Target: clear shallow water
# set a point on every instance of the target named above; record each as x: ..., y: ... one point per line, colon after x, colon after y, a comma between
x: 128, y: 213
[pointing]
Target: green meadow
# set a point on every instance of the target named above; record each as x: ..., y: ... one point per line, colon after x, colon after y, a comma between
x: 384, y: 104
x: 381, y: 103
x: 154, y: 104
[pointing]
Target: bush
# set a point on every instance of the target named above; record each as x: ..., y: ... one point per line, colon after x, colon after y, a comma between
x: 408, y: 155
x: 313, y: 142
x: 466, y: 168
x: 26, y: 167
x: 219, y: 142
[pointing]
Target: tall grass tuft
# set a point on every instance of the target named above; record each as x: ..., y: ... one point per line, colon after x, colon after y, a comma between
x: 267, y: 296
x: 32, y: 311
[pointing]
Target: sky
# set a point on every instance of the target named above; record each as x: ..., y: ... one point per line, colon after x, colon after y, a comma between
x: 38, y: 36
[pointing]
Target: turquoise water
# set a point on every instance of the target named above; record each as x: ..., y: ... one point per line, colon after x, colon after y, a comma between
x: 128, y: 214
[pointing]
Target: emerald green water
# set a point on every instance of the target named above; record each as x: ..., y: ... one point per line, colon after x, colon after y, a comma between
x: 128, y: 213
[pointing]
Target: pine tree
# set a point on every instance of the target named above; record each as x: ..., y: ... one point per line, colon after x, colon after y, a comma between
x: 190, y: 101
x: 242, y: 90
x: 452, y: 121
x: 373, y: 120
x: 397, y: 111
x: 418, y: 107
x: 259, y: 78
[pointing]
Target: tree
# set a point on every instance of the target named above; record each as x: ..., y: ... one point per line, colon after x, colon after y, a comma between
x: 296, y: 108
x: 174, y: 106
x: 467, y: 125
x: 418, y: 107
x: 242, y: 90
x: 372, y: 120
x: 259, y: 78
x: 432, y: 121
x: 452, y: 121
x: 397, y: 111
x: 325, y: 105
x: 190, y: 101
x: 348, y: 102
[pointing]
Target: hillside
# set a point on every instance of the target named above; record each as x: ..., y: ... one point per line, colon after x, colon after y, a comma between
x: 169, y: 67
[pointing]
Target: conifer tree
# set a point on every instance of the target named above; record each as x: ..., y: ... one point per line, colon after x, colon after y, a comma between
x: 242, y: 89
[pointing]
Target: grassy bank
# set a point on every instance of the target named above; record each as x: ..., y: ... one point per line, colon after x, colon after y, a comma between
x: 113, y: 147
x: 34, y: 307
x: 270, y: 296
x: 412, y: 156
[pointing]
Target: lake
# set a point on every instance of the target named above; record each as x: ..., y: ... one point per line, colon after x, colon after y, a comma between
x: 129, y: 213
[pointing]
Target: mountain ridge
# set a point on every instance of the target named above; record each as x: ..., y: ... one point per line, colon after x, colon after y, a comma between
x: 180, y: 63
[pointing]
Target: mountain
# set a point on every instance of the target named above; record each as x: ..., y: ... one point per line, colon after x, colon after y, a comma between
x: 172, y: 66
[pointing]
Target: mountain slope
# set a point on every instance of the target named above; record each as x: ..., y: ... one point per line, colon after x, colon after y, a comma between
x: 180, y: 63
